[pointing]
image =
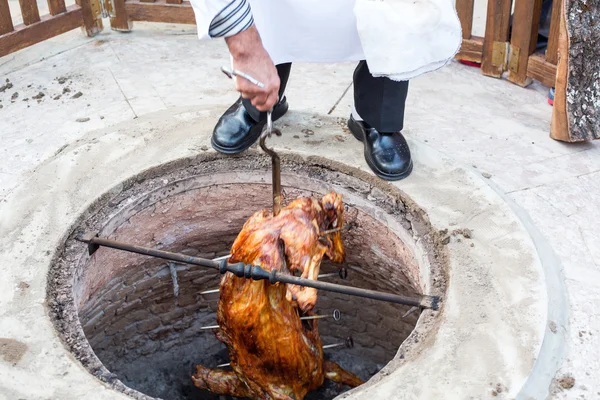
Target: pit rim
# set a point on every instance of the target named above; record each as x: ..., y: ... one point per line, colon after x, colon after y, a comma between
x: 61, y: 305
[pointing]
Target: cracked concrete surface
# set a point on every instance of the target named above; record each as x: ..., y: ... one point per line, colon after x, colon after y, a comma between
x: 487, y: 125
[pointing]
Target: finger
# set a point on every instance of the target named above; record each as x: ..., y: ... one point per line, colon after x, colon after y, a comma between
x: 268, y: 103
x: 259, y: 100
x: 261, y: 107
x: 245, y: 87
x: 272, y: 100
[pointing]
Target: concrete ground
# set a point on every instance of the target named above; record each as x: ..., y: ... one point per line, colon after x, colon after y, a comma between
x: 488, y: 125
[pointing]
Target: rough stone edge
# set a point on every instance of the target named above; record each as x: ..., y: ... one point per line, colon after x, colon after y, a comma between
x: 71, y: 334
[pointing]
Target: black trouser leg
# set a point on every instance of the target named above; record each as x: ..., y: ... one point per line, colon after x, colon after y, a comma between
x: 379, y: 101
x: 283, y: 70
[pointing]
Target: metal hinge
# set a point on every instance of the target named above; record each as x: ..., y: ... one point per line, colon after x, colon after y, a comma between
x: 103, y: 8
x: 513, y: 61
x: 499, y: 54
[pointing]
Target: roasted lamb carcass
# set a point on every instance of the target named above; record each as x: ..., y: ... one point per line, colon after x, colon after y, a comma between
x: 274, y: 354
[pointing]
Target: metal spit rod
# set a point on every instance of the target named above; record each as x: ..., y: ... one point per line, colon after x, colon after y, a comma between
x: 257, y: 273
x: 342, y: 273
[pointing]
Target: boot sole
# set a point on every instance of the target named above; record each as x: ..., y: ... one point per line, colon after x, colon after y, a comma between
x: 359, y: 134
x: 278, y: 113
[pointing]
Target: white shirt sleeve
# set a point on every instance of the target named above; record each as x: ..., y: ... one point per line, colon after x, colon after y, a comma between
x: 221, y: 18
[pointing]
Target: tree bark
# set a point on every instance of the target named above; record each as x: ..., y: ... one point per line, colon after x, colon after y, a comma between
x: 582, y: 21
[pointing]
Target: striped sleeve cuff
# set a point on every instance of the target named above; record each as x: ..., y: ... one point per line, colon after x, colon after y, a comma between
x: 233, y: 19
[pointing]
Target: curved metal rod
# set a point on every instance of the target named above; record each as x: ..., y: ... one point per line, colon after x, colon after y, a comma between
x: 275, y: 163
x: 230, y: 72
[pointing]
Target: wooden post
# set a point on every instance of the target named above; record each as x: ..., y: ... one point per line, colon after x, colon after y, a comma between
x: 496, y: 37
x: 121, y: 21
x: 92, y: 23
x: 464, y: 9
x: 552, y: 50
x: 56, y: 6
x: 30, y: 12
x: 471, y: 49
x: 526, y: 23
x: 6, y: 24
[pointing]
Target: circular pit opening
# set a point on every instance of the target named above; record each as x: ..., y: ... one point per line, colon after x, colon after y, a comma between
x: 136, y: 322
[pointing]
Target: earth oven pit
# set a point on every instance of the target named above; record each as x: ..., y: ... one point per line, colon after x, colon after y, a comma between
x: 135, y: 322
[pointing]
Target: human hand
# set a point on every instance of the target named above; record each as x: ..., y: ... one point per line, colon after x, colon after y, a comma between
x: 250, y: 57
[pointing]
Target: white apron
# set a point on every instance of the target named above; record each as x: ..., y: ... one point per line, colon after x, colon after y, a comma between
x: 402, y: 38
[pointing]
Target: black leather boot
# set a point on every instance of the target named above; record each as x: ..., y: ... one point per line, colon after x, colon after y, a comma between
x: 241, y: 125
x: 387, y: 154
x: 236, y: 130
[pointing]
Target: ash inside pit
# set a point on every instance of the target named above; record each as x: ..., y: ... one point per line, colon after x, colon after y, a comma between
x: 145, y: 341
x: 170, y: 380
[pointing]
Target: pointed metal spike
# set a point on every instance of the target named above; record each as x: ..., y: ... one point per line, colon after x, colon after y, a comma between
x: 348, y: 343
x: 336, y: 316
x: 210, y: 327
x: 410, y: 311
x: 210, y: 291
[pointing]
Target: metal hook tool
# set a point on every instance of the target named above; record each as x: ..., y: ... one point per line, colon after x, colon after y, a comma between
x: 267, y: 132
x: 233, y: 72
x: 275, y: 163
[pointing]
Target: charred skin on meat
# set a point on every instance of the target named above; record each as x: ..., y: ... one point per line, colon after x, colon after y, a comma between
x: 274, y: 354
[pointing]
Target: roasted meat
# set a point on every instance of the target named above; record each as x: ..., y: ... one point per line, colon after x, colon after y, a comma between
x: 273, y: 353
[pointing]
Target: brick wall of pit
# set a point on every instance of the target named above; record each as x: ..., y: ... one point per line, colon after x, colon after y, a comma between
x: 127, y: 304
x: 138, y: 313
